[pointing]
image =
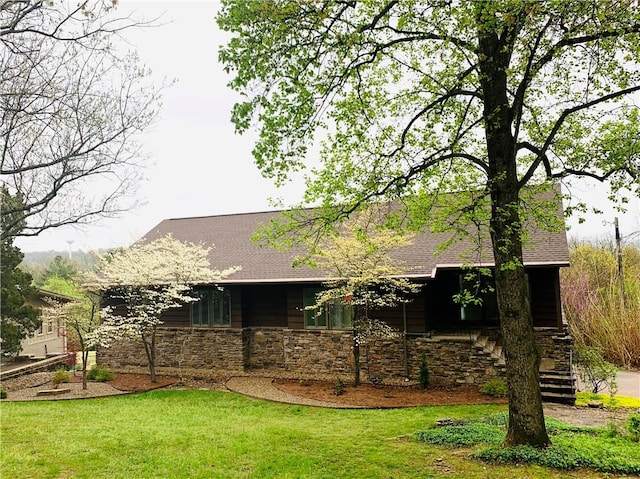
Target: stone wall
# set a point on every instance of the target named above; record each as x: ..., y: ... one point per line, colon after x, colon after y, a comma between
x: 326, y: 354
x: 318, y: 352
x: 264, y: 348
x: 197, y: 348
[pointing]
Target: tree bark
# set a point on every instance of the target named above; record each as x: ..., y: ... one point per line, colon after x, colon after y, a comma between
x: 526, y: 416
x: 150, y: 349
x: 85, y: 360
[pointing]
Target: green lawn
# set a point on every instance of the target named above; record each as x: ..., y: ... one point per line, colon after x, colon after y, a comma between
x: 212, y: 434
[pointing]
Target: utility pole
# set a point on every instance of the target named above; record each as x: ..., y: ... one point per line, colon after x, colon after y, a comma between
x: 619, y: 258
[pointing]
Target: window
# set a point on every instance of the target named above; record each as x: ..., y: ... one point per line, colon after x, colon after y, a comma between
x: 49, y: 326
x: 213, y: 308
x: 336, y: 316
x: 484, y: 305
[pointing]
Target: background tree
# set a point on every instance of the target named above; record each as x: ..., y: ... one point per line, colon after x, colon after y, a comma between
x: 80, y: 317
x: 424, y: 96
x: 71, y: 104
x: 143, y: 281
x: 599, y: 320
x: 60, y: 268
x: 366, y: 279
x: 17, y: 319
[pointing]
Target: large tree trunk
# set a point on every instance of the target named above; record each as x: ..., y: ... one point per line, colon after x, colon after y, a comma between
x: 526, y: 417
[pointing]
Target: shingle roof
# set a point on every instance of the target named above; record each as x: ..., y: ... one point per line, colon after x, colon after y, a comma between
x: 231, y: 237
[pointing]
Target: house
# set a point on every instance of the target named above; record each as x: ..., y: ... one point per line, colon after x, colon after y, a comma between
x: 255, y: 319
x: 51, y: 338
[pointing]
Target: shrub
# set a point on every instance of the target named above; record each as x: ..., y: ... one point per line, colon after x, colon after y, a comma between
x: 594, y: 369
x: 60, y: 376
x: 338, y: 387
x: 3, y: 394
x: 70, y: 360
x: 423, y: 378
x: 495, y: 387
x: 633, y: 427
x: 591, y: 299
x: 96, y: 373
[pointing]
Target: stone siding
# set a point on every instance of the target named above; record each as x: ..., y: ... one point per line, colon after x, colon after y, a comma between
x: 197, y: 348
x: 327, y: 354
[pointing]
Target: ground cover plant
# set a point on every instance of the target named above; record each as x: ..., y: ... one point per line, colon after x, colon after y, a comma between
x: 222, y: 435
x: 607, y: 450
x: 583, y: 398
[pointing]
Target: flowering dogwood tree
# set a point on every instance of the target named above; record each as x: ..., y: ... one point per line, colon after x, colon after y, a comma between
x: 364, y: 278
x: 81, y: 318
x: 145, y: 280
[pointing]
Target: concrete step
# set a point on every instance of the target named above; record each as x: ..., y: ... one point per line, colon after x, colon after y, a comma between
x: 558, y: 397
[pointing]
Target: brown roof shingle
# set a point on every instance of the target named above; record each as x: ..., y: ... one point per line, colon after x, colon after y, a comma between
x: 231, y: 237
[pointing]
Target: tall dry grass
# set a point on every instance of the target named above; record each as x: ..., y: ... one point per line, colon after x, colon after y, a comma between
x: 595, y: 308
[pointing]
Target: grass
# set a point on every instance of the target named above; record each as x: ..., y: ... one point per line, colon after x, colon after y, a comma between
x: 601, y: 449
x: 198, y: 434
x: 583, y: 398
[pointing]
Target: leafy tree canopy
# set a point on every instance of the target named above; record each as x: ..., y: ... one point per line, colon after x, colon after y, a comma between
x: 418, y: 97
x: 18, y: 319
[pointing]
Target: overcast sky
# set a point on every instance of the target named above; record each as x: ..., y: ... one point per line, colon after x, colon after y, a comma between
x: 200, y: 167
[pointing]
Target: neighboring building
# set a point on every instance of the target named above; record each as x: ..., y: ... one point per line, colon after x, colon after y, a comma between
x: 51, y: 338
x: 255, y: 320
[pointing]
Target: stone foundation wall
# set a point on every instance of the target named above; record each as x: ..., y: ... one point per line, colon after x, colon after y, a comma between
x: 454, y: 361
x: 324, y: 353
x: 195, y: 348
x: 318, y: 352
x: 265, y: 348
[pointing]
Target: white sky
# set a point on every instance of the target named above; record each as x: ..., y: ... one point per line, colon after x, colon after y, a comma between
x: 200, y: 166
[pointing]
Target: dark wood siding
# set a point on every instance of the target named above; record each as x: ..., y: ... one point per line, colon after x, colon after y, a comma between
x: 414, y: 311
x: 295, y: 312
x: 544, y: 284
x: 444, y: 313
x: 264, y: 305
x: 442, y: 310
x: 177, y: 317
x: 236, y: 306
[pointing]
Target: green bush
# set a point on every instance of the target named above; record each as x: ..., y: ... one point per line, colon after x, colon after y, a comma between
x: 594, y: 369
x: 60, y: 376
x: 495, y: 387
x: 633, y: 427
x: 96, y: 373
x: 3, y: 394
x: 338, y: 387
x: 423, y: 378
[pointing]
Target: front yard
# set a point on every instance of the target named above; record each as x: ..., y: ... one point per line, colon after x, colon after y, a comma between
x: 215, y: 434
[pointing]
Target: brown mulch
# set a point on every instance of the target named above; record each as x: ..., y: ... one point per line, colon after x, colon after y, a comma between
x: 368, y: 395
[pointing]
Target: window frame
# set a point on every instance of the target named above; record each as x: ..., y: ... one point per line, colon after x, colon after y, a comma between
x: 215, y: 299
x: 332, y: 317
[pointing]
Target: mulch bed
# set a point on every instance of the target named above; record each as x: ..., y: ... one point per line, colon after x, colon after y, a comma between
x: 387, y: 395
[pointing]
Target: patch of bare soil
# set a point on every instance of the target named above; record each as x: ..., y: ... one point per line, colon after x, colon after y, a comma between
x: 369, y: 395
